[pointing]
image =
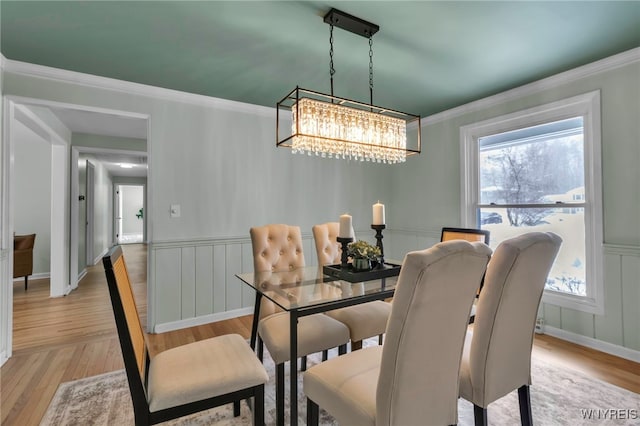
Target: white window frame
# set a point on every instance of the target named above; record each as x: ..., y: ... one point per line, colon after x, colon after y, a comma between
x: 587, y: 106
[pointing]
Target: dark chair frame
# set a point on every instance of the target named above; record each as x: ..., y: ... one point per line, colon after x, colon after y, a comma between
x: 472, y: 231
x: 136, y: 385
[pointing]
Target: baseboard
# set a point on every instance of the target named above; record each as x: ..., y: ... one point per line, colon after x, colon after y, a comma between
x: 39, y: 276
x: 205, y: 319
x: 3, y: 358
x: 99, y: 258
x: 81, y: 275
x: 589, y: 342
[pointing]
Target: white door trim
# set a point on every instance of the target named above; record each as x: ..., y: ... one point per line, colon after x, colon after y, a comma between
x: 66, y: 235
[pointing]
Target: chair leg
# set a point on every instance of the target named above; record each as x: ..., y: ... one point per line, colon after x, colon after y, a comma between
x: 236, y: 408
x: 356, y: 345
x: 524, y: 397
x: 380, y: 339
x: 313, y: 413
x: 26, y: 283
x: 303, y: 363
x: 280, y: 393
x: 325, y: 355
x: 260, y: 349
x: 479, y: 415
x: 342, y: 349
x: 258, y: 406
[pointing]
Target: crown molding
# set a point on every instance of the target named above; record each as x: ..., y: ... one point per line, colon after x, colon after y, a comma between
x: 128, y: 87
x: 606, y: 64
x: 105, y: 83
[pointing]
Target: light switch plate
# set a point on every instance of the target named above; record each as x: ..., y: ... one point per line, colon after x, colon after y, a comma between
x: 175, y: 210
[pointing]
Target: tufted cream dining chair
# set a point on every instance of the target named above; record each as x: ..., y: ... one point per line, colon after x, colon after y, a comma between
x: 497, y: 352
x: 364, y: 320
x: 278, y: 248
x: 412, y: 379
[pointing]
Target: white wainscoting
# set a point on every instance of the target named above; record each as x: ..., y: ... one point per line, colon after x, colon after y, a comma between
x: 196, y: 284
x: 195, y: 280
x: 618, y: 328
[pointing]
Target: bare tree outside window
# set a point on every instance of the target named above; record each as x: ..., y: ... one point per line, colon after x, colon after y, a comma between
x: 537, y: 183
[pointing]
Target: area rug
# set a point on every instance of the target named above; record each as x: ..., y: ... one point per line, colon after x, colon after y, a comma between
x: 559, y: 396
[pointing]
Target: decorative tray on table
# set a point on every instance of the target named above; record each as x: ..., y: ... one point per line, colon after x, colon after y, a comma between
x: 380, y: 271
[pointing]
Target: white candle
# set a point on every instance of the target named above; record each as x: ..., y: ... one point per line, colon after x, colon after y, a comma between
x: 378, y: 213
x: 345, y: 226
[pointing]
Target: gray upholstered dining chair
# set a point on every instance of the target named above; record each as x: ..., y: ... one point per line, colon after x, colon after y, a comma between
x: 276, y: 248
x: 364, y: 320
x: 412, y: 379
x: 497, y: 352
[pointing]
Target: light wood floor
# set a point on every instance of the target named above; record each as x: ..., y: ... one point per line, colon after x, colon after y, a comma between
x: 63, y: 339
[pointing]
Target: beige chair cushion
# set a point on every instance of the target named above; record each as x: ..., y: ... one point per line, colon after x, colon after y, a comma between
x: 201, y: 370
x: 365, y: 320
x: 417, y: 380
x: 347, y: 386
x: 315, y: 333
x: 498, y: 352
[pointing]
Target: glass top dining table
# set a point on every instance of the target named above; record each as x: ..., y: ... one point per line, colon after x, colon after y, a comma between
x: 307, y: 291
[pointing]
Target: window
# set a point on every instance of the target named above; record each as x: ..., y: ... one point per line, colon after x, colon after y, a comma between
x: 539, y: 170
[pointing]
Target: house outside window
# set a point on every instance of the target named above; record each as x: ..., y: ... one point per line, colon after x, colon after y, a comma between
x: 539, y: 170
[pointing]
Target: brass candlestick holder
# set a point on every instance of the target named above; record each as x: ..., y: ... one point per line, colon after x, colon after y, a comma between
x: 379, y: 237
x: 343, y: 259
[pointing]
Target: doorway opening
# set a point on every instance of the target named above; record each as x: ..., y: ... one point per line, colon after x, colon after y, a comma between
x: 129, y: 214
x: 62, y: 126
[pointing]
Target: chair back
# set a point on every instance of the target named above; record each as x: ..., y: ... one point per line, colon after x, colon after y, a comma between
x: 23, y: 255
x: 467, y: 234
x: 130, y: 332
x: 276, y: 248
x: 418, y: 382
x: 500, y: 352
x: 328, y: 250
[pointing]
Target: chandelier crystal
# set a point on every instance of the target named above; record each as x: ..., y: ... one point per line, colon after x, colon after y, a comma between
x: 332, y: 130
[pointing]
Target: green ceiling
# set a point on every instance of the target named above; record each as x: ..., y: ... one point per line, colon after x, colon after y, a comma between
x: 428, y: 56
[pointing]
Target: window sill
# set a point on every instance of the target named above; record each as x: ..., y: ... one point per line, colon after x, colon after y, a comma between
x: 579, y: 303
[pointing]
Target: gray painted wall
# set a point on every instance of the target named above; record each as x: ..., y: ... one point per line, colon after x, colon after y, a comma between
x: 32, y: 193
x: 111, y: 142
x: 219, y: 162
x: 428, y: 194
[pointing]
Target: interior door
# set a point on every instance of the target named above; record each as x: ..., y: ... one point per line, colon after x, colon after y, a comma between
x: 117, y: 208
x: 90, y: 211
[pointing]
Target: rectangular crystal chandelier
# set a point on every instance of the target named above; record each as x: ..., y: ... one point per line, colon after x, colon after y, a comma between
x: 332, y: 127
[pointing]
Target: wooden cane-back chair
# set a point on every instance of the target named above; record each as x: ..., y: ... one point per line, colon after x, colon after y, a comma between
x: 467, y: 234
x: 185, y: 379
x: 471, y: 235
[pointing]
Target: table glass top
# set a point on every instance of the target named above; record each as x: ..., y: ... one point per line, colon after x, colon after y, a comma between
x: 305, y: 287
